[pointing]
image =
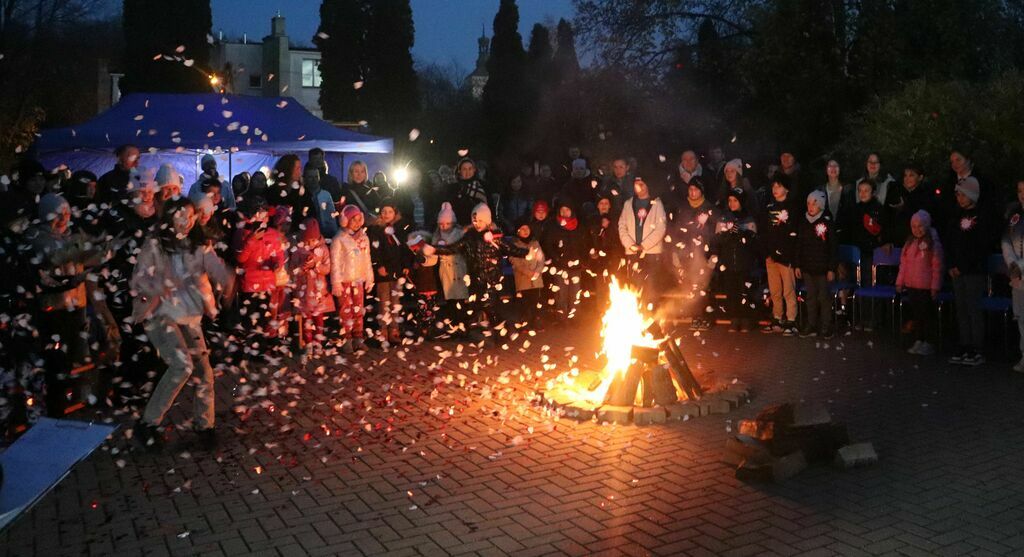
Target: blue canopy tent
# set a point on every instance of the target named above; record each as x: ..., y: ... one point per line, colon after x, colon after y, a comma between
x: 244, y: 133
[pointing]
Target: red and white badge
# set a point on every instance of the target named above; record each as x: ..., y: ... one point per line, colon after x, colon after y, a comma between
x: 820, y: 229
x: 641, y: 213
x: 968, y: 223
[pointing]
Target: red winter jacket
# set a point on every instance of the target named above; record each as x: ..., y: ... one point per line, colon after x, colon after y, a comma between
x: 262, y: 254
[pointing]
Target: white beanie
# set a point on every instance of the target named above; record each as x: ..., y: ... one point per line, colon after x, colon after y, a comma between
x: 970, y: 187
x: 482, y: 215
x: 818, y: 197
x: 737, y: 164
x: 447, y: 214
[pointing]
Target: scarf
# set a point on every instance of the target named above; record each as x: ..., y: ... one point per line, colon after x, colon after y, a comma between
x: 569, y: 224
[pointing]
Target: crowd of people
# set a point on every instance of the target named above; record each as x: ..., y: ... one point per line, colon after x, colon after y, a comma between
x: 132, y: 271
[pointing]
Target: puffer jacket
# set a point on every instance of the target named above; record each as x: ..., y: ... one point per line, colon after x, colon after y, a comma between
x: 483, y: 253
x: 921, y: 266
x: 261, y: 256
x: 350, y: 260
x: 451, y: 268
x: 180, y: 290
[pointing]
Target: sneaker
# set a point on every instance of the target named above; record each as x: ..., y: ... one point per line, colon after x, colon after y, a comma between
x: 974, y: 359
x: 1019, y: 368
x: 772, y: 327
x: 959, y: 357
x: 808, y: 332
x: 925, y: 349
x: 915, y: 348
x: 789, y: 329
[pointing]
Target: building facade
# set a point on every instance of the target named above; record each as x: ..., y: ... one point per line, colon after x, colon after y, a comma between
x: 271, y: 68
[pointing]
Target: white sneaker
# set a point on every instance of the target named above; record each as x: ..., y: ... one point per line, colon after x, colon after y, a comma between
x: 1019, y: 368
x: 925, y: 349
x: 915, y: 349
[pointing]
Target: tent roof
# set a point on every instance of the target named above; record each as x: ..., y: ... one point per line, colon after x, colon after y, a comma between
x: 202, y: 121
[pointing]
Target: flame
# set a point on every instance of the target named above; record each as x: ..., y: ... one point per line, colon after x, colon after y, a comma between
x: 623, y: 327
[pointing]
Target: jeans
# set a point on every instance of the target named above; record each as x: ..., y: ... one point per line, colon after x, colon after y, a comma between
x: 739, y: 298
x: 642, y: 272
x: 819, y: 302
x: 967, y: 293
x: 183, y: 348
x: 782, y: 287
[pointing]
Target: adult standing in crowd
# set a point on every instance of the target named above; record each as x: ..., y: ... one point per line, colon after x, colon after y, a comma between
x: 884, y: 182
x: 692, y: 233
x: 330, y: 184
x: 468, y: 191
x: 642, y: 228
x: 361, y: 192
x: 903, y: 202
x: 112, y: 186
x: 838, y: 197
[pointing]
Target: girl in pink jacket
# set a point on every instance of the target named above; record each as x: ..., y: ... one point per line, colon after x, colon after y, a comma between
x: 310, y: 264
x: 920, y: 279
x: 351, y: 276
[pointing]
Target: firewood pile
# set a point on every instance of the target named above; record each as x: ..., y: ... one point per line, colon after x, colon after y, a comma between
x: 784, y: 439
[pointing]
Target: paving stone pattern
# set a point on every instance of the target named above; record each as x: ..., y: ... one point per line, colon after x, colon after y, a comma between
x: 421, y: 461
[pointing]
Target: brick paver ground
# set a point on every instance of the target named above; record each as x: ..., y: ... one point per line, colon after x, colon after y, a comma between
x: 386, y: 455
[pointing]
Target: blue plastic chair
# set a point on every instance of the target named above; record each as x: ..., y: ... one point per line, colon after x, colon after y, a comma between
x: 991, y: 303
x: 876, y: 291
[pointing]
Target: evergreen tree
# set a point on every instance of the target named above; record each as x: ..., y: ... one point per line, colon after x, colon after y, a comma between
x: 391, y: 85
x: 341, y: 41
x: 160, y: 27
x: 567, y: 126
x: 538, y: 86
x: 504, y: 103
x: 566, y: 62
x: 538, y: 55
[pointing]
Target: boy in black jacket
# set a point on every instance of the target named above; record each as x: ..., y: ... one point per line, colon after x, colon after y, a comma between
x: 968, y: 237
x: 778, y: 237
x: 816, y: 249
x: 392, y: 261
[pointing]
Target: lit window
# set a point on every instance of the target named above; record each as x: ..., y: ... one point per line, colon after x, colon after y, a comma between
x: 310, y: 73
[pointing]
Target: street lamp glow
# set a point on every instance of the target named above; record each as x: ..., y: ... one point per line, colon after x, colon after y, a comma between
x: 401, y: 174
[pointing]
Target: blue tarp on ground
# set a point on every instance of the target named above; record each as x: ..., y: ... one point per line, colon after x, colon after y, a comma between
x: 250, y: 132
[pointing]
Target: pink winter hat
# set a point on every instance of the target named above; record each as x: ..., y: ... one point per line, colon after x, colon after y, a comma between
x: 923, y: 218
x: 350, y: 211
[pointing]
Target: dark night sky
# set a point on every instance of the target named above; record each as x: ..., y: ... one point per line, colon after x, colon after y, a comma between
x: 446, y: 30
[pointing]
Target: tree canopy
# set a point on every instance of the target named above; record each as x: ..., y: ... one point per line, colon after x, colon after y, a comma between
x: 166, y: 57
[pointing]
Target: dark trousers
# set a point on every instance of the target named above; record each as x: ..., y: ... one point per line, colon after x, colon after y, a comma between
x: 967, y: 293
x: 739, y: 298
x: 922, y: 309
x: 643, y: 274
x: 819, y: 301
x: 526, y: 305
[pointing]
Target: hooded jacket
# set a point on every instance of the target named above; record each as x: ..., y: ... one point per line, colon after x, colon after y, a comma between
x: 177, y: 285
x: 350, y: 260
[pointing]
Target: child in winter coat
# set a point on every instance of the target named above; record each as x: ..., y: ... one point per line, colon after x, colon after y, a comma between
x: 865, y: 228
x: 262, y: 260
x: 528, y: 275
x: 391, y: 262
x: 564, y: 247
x: 425, y: 284
x: 778, y: 238
x: 920, y: 278
x: 816, y: 250
x: 736, y: 242
x: 451, y: 268
x: 483, y: 248
x: 968, y: 239
x: 351, y: 276
x: 310, y: 264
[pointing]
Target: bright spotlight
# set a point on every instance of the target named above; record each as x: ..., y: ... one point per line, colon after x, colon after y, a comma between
x: 401, y: 174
